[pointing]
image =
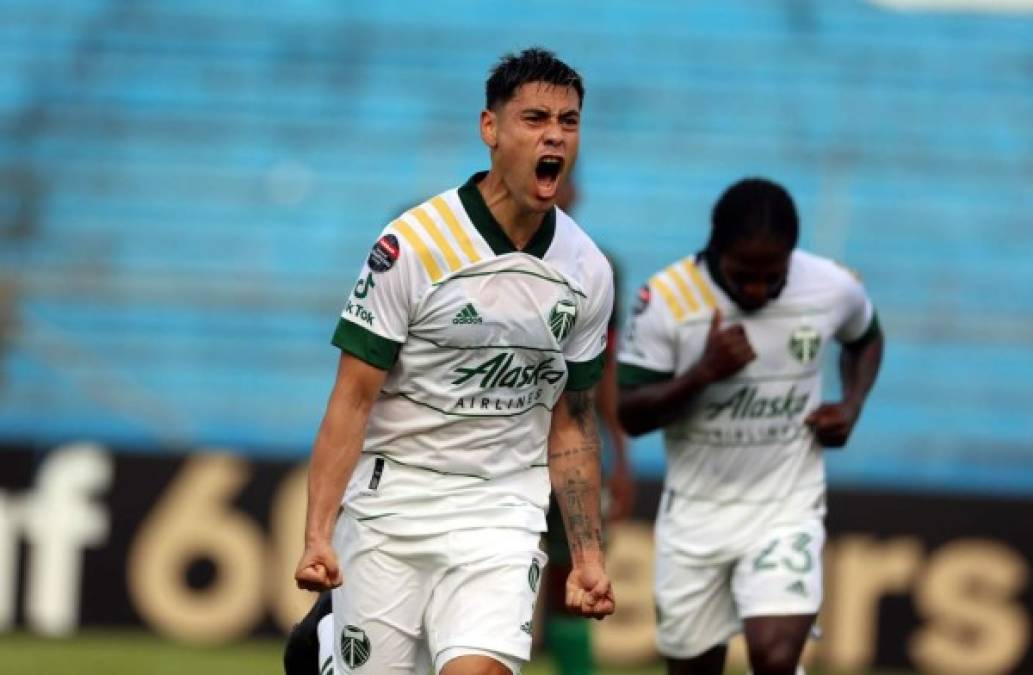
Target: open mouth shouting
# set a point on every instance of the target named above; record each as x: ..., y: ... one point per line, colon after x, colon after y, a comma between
x: 547, y: 173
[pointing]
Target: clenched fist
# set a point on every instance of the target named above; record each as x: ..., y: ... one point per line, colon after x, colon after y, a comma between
x: 318, y: 569
x: 589, y: 593
x: 726, y: 352
x: 832, y: 423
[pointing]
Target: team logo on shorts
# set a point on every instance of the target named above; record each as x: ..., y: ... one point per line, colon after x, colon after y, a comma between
x: 384, y: 253
x: 534, y: 574
x: 355, y: 646
x: 561, y: 319
x: 804, y: 344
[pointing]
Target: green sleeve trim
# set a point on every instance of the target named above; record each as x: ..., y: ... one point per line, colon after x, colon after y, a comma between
x: 366, y: 345
x: 629, y: 376
x: 583, y: 375
x: 873, y: 331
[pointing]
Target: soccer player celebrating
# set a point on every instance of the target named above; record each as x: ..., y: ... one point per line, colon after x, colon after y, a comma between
x: 723, y: 353
x: 470, y: 347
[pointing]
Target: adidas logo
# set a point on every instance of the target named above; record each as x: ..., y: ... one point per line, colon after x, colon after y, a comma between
x: 467, y: 315
x: 798, y: 588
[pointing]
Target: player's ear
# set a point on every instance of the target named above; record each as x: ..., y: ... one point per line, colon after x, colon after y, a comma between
x: 489, y: 128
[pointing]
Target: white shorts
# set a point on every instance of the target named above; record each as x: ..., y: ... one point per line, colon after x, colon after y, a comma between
x: 409, y: 602
x: 702, y: 606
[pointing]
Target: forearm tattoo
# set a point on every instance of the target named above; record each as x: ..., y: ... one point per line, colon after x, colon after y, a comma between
x: 577, y: 491
x: 566, y: 453
x: 580, y: 498
x: 575, y: 464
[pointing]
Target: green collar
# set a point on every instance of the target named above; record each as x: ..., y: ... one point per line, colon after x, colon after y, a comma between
x: 490, y: 229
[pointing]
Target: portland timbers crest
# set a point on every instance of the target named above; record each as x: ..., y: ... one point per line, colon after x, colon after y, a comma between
x: 561, y: 319
x: 804, y: 344
x: 355, y: 646
x: 534, y: 574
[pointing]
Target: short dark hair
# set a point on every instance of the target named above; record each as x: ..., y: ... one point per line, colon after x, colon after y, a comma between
x: 534, y: 64
x: 753, y: 206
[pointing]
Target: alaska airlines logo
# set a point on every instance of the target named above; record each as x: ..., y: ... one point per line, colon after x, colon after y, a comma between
x: 505, y: 371
x: 746, y: 404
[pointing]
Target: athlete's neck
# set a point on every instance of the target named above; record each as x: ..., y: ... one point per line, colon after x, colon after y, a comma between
x: 519, y: 224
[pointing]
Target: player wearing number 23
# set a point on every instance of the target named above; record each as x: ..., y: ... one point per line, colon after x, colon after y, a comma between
x: 723, y: 352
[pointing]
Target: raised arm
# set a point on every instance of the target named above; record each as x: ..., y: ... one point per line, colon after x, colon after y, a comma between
x: 334, y: 455
x: 575, y: 475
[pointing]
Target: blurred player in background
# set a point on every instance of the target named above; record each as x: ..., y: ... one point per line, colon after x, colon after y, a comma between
x: 723, y: 352
x: 567, y: 634
x: 471, y: 345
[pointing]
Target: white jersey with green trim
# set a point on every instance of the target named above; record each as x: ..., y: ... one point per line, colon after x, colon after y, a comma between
x: 741, y: 459
x: 479, y: 341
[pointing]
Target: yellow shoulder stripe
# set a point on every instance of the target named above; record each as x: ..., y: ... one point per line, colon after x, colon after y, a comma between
x: 446, y: 249
x: 704, y: 289
x: 441, y: 206
x: 679, y: 281
x: 421, y: 249
x: 668, y: 295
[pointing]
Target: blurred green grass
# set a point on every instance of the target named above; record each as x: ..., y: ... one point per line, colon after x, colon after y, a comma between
x: 139, y: 653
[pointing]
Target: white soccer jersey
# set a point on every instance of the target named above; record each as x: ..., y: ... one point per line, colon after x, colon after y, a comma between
x: 741, y: 459
x: 479, y: 341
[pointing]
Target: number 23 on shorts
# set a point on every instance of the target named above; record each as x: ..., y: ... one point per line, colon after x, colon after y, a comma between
x: 792, y: 552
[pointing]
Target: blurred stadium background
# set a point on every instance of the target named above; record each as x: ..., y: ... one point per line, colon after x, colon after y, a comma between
x: 189, y: 188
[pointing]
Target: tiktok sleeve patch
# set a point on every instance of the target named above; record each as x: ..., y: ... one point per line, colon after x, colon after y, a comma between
x: 374, y: 322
